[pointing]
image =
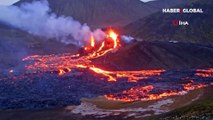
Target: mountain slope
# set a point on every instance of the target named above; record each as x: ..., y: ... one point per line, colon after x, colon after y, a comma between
x: 158, y: 26
x: 158, y: 55
x: 16, y: 44
x: 102, y: 13
x: 164, y: 3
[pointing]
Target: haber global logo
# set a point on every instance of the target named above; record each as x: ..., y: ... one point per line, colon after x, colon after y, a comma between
x: 182, y: 10
x: 180, y: 22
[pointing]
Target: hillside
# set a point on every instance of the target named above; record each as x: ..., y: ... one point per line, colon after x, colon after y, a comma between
x: 103, y: 13
x: 158, y: 55
x: 165, y: 3
x: 158, y: 26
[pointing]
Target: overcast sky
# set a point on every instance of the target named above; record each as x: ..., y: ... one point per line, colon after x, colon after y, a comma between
x: 9, y: 2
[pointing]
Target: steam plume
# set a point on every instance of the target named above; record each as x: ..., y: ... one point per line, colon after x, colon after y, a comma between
x: 36, y: 18
x: 127, y: 39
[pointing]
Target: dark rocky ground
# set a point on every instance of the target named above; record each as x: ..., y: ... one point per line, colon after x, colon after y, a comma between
x: 199, y: 110
x: 45, y: 90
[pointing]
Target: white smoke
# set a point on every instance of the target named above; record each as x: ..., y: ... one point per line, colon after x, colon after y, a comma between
x: 127, y: 39
x: 36, y: 18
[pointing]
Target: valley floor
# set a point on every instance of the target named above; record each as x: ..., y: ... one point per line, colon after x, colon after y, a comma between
x: 196, y: 110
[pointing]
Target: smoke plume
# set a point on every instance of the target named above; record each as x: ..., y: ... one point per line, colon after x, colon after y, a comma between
x: 36, y: 18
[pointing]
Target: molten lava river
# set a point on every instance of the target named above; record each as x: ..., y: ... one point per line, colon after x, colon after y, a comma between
x: 63, y: 79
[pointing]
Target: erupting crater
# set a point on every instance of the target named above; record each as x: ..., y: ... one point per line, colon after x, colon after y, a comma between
x: 66, y: 62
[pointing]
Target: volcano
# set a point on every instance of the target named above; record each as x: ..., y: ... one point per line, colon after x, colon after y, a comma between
x: 116, y: 77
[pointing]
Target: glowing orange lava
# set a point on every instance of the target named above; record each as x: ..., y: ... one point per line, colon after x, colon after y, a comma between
x: 143, y: 93
x: 114, y: 37
x: 190, y: 86
x: 204, y: 73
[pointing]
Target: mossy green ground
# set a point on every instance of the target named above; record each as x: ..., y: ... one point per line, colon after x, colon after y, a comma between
x: 194, y: 111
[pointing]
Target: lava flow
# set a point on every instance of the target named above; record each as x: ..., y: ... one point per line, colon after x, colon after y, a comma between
x: 205, y: 73
x: 66, y: 62
x: 143, y: 93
